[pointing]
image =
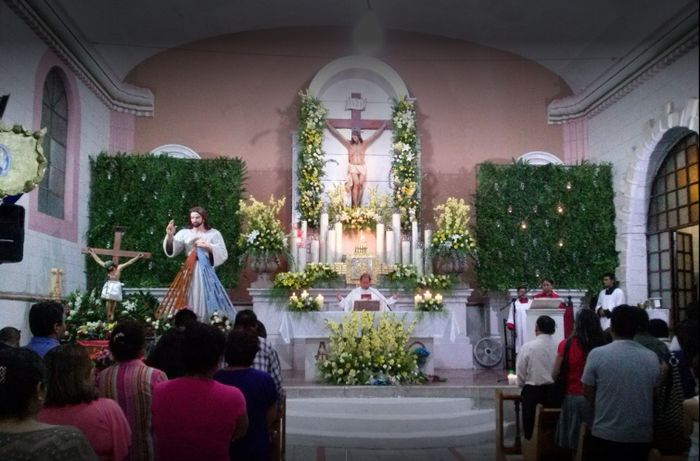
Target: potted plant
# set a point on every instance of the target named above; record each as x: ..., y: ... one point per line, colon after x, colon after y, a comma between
x: 262, y: 240
x: 452, y: 242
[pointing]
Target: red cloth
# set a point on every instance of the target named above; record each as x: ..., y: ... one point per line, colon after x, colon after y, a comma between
x: 575, y: 363
x: 102, y: 421
x: 195, y: 418
x: 568, y: 312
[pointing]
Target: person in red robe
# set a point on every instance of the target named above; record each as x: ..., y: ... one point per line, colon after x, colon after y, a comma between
x: 548, y: 292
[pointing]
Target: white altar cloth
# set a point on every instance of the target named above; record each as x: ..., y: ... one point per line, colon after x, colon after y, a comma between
x: 303, y: 325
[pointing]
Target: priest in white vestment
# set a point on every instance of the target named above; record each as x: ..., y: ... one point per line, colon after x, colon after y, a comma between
x: 206, y: 249
x: 366, y: 293
x: 517, y: 315
x: 608, y: 299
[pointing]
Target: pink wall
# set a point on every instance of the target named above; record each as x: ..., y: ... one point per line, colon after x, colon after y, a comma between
x: 237, y: 95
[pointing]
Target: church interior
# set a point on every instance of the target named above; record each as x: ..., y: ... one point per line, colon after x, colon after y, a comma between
x: 434, y: 156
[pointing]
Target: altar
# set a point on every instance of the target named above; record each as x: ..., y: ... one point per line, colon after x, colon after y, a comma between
x: 311, y: 328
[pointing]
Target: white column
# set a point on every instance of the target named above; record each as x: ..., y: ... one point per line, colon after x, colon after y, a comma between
x: 338, y: 241
x: 396, y: 227
x: 323, y: 237
x: 390, y: 247
x: 379, y: 238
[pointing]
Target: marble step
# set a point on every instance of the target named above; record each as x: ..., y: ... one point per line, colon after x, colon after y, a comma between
x: 387, y: 422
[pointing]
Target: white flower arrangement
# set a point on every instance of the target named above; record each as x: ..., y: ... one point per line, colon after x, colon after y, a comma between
x: 305, y: 302
x: 427, y: 302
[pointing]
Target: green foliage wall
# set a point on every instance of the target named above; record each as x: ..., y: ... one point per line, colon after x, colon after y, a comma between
x: 143, y: 192
x: 544, y: 221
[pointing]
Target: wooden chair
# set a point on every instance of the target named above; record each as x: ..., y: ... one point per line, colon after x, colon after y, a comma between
x: 279, y: 432
x: 501, y: 449
x: 542, y: 445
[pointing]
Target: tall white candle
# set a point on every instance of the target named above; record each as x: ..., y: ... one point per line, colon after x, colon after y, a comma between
x: 379, y: 238
x: 323, y: 236
x: 314, y: 251
x: 339, y: 241
x: 414, y: 238
x: 396, y: 227
x: 304, y: 229
x: 405, y: 252
x: 292, y: 247
x: 427, y: 237
x: 330, y: 250
x: 390, y: 248
x: 418, y: 261
x: 301, y: 258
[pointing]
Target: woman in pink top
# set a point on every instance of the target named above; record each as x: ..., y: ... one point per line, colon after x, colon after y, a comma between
x: 130, y: 382
x: 195, y: 417
x: 571, y: 359
x: 71, y: 399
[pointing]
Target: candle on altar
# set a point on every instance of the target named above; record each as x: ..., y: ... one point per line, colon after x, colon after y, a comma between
x: 314, y: 251
x: 396, y: 227
x: 323, y: 237
x: 301, y: 258
x: 414, y: 236
x: 292, y: 247
x: 418, y: 261
x: 405, y: 252
x: 330, y: 247
x: 390, y: 247
x: 379, y: 238
x: 339, y: 241
x: 304, y: 228
x: 427, y: 237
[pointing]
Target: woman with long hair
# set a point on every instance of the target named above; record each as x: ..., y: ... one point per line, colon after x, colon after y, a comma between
x: 130, y: 382
x: 571, y: 359
x: 22, y: 393
x: 72, y: 400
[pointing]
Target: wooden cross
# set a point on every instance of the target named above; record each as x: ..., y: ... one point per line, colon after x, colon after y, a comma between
x: 356, y: 122
x: 116, y: 252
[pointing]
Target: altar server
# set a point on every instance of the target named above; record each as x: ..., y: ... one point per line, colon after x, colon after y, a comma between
x: 517, y: 313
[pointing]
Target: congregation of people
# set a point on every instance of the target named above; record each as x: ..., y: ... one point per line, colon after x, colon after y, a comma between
x: 201, y: 393
x: 624, y: 384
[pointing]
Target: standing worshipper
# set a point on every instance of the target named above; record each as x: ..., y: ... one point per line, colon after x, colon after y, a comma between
x: 609, y: 298
x: 22, y: 393
x: 534, y: 370
x: 259, y: 390
x: 548, y: 292
x: 571, y: 358
x: 517, y: 315
x: 72, y: 400
x: 46, y: 322
x: 130, y: 383
x: 619, y: 380
x: 195, y: 417
x: 196, y: 285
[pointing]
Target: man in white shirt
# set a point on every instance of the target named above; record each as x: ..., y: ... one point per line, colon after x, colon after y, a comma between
x: 608, y: 299
x: 365, y: 293
x: 534, y: 370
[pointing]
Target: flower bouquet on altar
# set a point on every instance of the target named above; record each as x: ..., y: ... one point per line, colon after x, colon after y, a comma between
x: 427, y: 302
x: 220, y: 321
x: 434, y: 282
x: 262, y: 239
x: 305, y: 302
x: 452, y: 241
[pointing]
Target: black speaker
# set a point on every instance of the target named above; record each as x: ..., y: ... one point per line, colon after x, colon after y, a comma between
x: 11, y: 233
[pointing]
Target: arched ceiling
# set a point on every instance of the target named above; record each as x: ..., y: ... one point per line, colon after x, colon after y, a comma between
x: 577, y: 39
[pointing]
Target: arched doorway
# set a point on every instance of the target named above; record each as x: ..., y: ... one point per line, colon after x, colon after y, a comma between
x: 672, y: 228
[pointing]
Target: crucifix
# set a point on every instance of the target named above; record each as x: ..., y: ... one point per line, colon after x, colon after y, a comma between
x: 112, y: 289
x: 356, y: 146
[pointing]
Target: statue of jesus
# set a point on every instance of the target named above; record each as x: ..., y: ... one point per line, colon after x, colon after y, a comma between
x: 357, y: 169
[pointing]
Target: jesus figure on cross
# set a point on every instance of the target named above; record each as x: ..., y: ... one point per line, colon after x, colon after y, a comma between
x: 357, y: 169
